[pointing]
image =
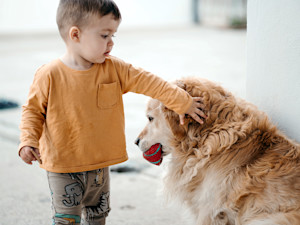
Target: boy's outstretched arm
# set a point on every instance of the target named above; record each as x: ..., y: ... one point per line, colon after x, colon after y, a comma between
x: 195, y: 111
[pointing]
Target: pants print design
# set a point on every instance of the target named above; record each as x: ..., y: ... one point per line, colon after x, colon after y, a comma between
x: 74, y: 194
x: 101, y: 209
x: 70, y: 219
x: 99, y: 178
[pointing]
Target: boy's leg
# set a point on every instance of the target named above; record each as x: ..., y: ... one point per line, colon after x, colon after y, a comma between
x: 96, y: 199
x: 67, y: 192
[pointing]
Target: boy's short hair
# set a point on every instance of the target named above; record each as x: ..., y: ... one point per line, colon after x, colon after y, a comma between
x: 77, y: 12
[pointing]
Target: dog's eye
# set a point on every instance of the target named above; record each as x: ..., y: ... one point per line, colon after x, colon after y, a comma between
x: 150, y: 118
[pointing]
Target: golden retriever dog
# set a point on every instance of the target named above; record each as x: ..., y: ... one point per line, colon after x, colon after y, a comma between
x: 236, y: 168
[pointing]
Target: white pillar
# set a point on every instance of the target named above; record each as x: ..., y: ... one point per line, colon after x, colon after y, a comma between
x: 273, y: 61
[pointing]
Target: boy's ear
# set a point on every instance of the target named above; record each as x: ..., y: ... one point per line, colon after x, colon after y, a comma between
x: 74, y: 33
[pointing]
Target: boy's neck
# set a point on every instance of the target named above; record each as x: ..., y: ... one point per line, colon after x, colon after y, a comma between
x: 76, y: 63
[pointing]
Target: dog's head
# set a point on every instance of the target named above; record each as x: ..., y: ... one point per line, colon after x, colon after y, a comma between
x: 157, y: 129
x: 163, y: 124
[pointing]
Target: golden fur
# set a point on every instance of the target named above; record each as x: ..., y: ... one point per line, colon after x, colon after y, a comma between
x: 236, y: 168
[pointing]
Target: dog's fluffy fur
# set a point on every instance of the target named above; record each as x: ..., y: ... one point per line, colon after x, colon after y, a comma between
x: 236, y: 168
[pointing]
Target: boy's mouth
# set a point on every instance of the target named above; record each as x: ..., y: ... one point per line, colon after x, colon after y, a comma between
x: 107, y: 53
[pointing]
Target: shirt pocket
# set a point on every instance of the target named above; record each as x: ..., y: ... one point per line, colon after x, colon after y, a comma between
x: 108, y: 95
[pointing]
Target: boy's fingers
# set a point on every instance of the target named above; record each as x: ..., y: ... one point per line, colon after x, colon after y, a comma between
x: 200, y: 105
x: 198, y: 99
x: 197, y: 118
x: 196, y: 111
x: 36, y: 155
x: 28, y: 159
x: 181, y: 119
x: 200, y: 113
x: 37, y: 152
x: 28, y: 162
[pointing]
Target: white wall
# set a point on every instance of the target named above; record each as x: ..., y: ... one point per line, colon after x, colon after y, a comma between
x: 18, y: 16
x: 273, y: 61
x: 39, y: 15
x: 144, y: 13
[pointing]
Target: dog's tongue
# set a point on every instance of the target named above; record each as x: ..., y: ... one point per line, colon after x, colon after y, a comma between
x: 154, y: 154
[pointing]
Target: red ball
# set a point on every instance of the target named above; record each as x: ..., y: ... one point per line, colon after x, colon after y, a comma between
x: 154, y: 154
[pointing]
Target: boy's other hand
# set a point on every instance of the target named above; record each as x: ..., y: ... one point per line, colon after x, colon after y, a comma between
x: 29, y: 154
x: 195, y: 111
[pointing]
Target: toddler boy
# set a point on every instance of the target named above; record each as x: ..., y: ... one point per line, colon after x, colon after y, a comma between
x: 73, y: 118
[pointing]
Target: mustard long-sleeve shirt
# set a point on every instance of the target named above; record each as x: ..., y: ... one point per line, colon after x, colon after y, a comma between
x: 76, y: 118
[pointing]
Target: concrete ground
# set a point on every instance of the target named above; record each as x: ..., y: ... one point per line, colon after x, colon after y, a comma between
x: 216, y: 54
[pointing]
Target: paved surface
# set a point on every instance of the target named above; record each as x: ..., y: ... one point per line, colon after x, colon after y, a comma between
x: 218, y: 55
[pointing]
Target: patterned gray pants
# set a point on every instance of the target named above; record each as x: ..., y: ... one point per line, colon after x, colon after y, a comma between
x: 80, y: 198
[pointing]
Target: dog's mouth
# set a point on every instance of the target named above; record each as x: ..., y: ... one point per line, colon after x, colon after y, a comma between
x: 154, y: 154
x: 163, y: 153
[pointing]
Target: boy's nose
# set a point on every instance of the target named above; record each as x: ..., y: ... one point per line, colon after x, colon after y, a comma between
x: 111, y: 42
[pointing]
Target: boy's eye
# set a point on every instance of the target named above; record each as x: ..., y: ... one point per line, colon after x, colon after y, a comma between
x: 107, y: 36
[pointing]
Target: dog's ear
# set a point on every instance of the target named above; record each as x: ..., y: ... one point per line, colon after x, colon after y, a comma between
x: 179, y: 131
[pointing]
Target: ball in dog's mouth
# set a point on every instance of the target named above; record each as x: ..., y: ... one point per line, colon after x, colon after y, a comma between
x: 154, y: 154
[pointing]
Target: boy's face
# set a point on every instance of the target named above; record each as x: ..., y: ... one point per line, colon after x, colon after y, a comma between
x: 95, y: 39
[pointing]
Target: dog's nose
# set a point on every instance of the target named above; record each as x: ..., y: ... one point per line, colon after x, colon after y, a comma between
x: 137, y: 141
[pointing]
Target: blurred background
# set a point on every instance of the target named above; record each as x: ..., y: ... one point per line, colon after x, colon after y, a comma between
x: 39, y: 15
x: 171, y: 38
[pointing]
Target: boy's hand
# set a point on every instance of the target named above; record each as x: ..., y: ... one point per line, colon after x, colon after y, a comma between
x: 195, y: 111
x: 29, y: 154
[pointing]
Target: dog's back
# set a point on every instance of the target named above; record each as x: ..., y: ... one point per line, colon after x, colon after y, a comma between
x: 238, y: 167
x: 271, y: 184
